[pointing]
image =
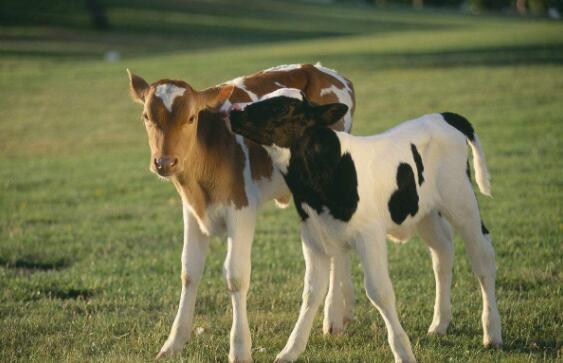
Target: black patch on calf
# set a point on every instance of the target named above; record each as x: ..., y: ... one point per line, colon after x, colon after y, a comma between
x: 460, y: 123
x: 320, y: 177
x: 418, y: 163
x: 404, y: 200
x: 484, y: 229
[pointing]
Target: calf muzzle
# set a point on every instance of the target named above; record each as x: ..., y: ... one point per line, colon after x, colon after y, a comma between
x: 166, y: 165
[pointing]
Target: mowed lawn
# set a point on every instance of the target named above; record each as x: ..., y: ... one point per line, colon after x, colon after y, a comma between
x: 90, y: 241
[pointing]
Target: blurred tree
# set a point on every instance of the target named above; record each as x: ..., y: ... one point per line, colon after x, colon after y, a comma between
x: 98, y: 16
x: 73, y: 13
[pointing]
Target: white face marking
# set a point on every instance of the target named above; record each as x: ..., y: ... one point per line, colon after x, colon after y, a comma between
x: 280, y: 85
x: 167, y: 93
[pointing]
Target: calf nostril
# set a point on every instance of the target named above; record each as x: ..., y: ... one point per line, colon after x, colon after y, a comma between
x: 174, y: 162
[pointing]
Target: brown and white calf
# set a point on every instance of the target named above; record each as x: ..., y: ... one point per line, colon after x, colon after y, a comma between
x: 223, y: 179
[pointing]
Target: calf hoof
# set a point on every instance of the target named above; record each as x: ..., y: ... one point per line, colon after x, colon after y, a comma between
x: 170, y: 349
x: 165, y: 354
x: 333, y: 329
x: 493, y: 344
x: 285, y: 358
x: 241, y: 358
x: 437, y: 330
x: 408, y: 360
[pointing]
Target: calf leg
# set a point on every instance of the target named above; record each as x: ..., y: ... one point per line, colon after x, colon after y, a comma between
x: 193, y: 259
x: 340, y: 300
x: 317, y: 266
x: 437, y: 234
x: 464, y: 215
x: 373, y: 254
x: 240, y: 225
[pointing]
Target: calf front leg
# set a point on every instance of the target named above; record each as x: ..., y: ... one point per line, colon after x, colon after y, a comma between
x: 193, y: 260
x: 317, y: 267
x: 372, y: 248
x: 240, y: 226
x: 340, y: 300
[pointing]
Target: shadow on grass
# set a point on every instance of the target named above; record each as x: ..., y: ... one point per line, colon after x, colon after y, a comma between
x: 491, y: 57
x: 549, y: 347
x: 34, y: 264
x: 65, y: 294
x: 143, y: 28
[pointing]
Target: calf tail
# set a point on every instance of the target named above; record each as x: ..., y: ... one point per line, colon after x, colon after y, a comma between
x: 482, y: 176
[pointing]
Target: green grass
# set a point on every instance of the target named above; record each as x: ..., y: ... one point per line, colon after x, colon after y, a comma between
x: 90, y: 241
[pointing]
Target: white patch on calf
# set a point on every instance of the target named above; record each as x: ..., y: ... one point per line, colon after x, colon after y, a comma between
x: 334, y: 74
x: 239, y: 83
x: 287, y: 92
x: 344, y: 96
x: 167, y: 93
x: 283, y: 68
x: 280, y: 156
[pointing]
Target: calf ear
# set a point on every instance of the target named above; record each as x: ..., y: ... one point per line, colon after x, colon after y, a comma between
x: 215, y: 96
x: 329, y: 114
x: 137, y: 87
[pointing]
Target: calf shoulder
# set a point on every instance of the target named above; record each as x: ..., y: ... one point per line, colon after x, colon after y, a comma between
x: 321, y: 177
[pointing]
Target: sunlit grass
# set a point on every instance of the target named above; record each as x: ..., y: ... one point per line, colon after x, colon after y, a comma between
x: 90, y: 240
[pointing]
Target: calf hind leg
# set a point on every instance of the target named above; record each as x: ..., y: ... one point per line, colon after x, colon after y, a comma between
x: 464, y: 215
x: 437, y: 234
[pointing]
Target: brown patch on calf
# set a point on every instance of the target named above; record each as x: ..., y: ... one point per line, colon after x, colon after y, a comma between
x: 262, y: 82
x: 239, y: 95
x: 260, y: 162
x: 319, y: 80
x: 214, y: 167
x: 186, y: 281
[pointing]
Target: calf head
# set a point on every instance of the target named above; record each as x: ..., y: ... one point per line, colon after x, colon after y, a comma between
x: 170, y: 115
x: 281, y: 121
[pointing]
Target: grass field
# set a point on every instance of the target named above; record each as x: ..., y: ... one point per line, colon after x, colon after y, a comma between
x: 90, y: 241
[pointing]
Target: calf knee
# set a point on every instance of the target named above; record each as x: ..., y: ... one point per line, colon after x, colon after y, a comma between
x: 186, y: 280
x: 236, y: 284
x: 311, y: 298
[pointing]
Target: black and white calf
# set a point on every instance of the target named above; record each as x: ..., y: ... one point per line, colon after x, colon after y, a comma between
x: 354, y: 191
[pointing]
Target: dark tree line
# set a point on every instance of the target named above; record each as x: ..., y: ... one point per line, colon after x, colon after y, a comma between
x: 522, y: 7
x: 62, y: 12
